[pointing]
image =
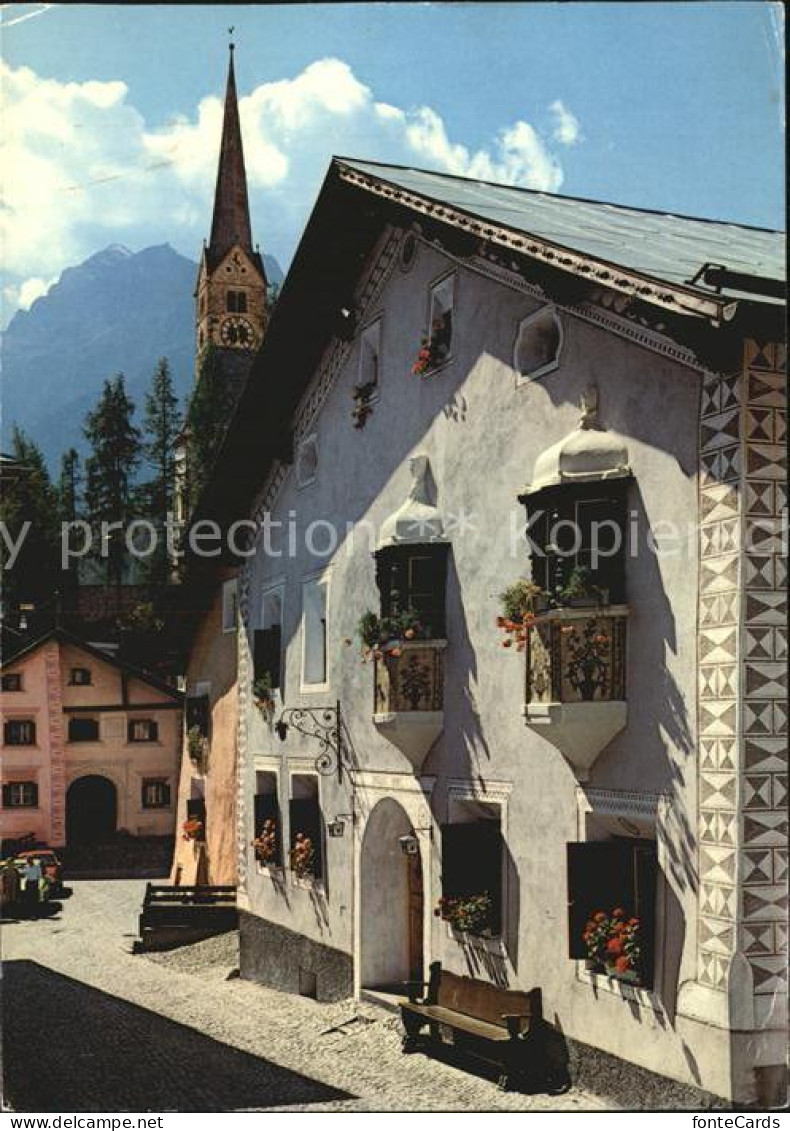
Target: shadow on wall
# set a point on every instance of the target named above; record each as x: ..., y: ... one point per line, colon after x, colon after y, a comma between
x: 97, y: 1052
x: 486, y: 958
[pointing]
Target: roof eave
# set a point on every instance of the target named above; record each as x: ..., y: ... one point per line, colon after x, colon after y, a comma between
x: 679, y: 299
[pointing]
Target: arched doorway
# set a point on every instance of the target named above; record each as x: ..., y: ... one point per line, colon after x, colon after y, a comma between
x: 91, y: 810
x: 391, y: 893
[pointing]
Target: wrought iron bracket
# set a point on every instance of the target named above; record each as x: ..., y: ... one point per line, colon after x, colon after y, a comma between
x: 325, y: 724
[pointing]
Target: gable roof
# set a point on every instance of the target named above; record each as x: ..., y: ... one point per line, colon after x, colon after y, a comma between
x: 655, y: 245
x: 65, y: 637
x: 616, y: 247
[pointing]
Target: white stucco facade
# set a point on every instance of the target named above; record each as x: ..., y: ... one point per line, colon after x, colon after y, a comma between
x: 482, y: 429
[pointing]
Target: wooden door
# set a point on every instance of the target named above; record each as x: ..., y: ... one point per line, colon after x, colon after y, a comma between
x: 414, y: 864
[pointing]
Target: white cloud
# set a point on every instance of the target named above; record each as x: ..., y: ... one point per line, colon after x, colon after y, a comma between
x: 567, y: 130
x: 81, y: 168
x: 32, y: 289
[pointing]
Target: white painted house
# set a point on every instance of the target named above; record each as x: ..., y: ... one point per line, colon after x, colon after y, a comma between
x: 584, y: 363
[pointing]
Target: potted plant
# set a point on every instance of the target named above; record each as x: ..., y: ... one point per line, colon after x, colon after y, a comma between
x: 303, y: 857
x: 433, y: 349
x: 613, y: 945
x: 469, y: 914
x: 196, y: 745
x: 382, y: 636
x: 265, y: 843
x: 192, y: 829
x: 519, y: 603
x: 263, y: 695
x: 580, y: 590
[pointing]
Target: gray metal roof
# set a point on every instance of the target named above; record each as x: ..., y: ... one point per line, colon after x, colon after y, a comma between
x: 657, y: 244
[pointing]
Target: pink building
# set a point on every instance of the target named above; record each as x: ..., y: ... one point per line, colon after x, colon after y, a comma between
x: 90, y: 746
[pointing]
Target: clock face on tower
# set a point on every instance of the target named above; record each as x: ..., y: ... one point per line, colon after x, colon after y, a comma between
x: 237, y: 332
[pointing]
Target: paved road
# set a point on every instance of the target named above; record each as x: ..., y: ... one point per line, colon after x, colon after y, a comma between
x: 88, y: 1026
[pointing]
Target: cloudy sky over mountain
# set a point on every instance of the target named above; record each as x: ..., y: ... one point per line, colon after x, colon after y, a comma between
x: 112, y: 114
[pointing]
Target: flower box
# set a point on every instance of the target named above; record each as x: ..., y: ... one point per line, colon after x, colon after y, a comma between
x: 614, y: 945
x: 469, y: 914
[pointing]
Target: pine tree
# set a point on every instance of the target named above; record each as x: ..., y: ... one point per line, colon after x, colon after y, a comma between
x: 70, y: 508
x: 110, y: 469
x: 162, y: 426
x: 69, y: 486
x: 209, y: 411
x: 30, y: 498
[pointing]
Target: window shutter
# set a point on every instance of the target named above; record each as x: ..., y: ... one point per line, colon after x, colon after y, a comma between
x: 8, y: 738
x: 34, y: 794
x: 198, y: 713
x: 165, y: 793
x: 6, y: 795
x: 153, y: 731
x: 266, y: 648
x: 305, y: 817
x: 645, y: 883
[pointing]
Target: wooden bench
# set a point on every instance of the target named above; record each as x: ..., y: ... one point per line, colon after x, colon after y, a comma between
x: 174, y: 915
x: 494, y: 1024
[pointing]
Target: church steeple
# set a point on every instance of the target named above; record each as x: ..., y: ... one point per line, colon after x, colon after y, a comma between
x: 231, y: 309
x: 230, y: 225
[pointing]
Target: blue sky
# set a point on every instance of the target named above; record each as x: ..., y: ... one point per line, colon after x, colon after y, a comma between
x: 112, y: 112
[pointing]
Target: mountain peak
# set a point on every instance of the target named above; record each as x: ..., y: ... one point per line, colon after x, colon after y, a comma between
x: 109, y: 256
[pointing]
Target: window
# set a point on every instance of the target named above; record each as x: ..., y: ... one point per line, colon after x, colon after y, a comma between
x: 580, y: 528
x: 198, y: 714
x: 142, y: 730
x: 230, y: 606
x: 196, y: 811
x: 408, y: 251
x: 20, y: 795
x: 80, y: 677
x: 267, y: 644
x: 307, y: 828
x: 314, y: 632
x: 237, y: 302
x: 155, y: 793
x: 12, y: 681
x: 413, y: 578
x: 83, y: 730
x: 538, y: 344
x: 19, y: 732
x: 267, y: 833
x: 307, y: 462
x: 370, y: 356
x: 440, y: 319
x: 472, y: 870
x: 604, y: 876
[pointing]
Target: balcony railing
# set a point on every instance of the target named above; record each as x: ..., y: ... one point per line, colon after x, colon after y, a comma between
x: 575, y: 680
x: 409, y: 696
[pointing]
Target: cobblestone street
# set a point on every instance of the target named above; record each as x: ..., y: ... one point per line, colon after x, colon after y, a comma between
x: 91, y: 1027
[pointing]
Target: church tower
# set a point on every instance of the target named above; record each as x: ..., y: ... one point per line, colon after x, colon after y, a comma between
x: 231, y: 285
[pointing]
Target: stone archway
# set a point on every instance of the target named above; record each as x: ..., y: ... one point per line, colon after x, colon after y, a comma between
x: 91, y: 810
x: 391, y: 901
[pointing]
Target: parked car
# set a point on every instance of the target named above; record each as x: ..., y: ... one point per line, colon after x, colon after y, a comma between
x: 50, y: 865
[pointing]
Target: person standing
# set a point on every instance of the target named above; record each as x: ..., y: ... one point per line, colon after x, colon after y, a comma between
x: 31, y: 875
